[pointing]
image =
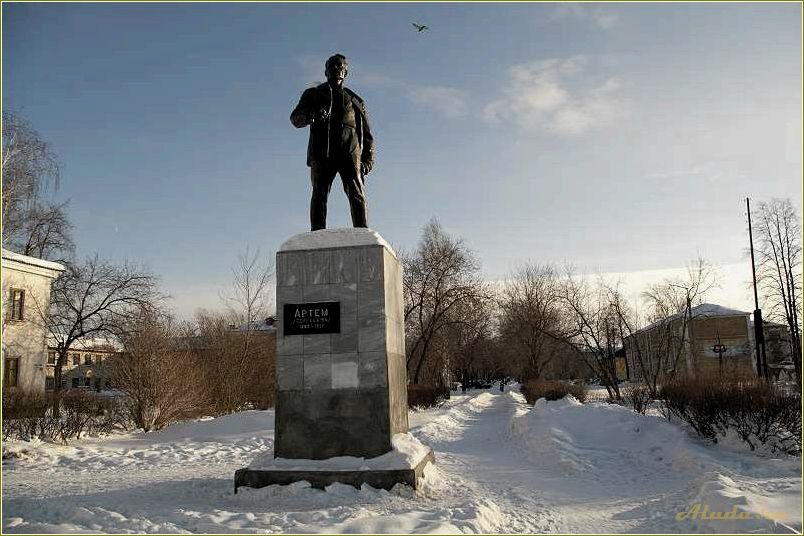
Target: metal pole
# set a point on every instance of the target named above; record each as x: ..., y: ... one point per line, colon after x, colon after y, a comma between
x: 759, y: 331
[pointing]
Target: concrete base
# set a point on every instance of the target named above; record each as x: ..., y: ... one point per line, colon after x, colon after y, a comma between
x: 376, y: 478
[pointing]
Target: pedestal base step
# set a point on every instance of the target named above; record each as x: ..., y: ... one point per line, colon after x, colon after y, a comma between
x: 376, y: 478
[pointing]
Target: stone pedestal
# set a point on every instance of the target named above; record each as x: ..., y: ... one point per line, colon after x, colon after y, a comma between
x: 341, y: 393
x: 341, y: 377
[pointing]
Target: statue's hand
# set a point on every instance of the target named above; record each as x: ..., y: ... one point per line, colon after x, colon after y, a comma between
x: 320, y: 115
x: 365, y: 167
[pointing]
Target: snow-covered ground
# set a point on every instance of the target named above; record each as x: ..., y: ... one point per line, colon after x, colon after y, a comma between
x: 502, y: 466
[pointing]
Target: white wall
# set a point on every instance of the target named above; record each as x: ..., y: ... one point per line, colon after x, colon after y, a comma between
x: 25, y: 339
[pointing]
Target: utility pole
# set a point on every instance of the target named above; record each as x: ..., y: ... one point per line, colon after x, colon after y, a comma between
x: 759, y: 331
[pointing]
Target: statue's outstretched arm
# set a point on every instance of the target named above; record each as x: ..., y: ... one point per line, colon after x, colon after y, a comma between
x: 303, y: 114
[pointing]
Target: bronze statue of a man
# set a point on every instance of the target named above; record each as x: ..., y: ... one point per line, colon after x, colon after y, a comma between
x: 340, y: 142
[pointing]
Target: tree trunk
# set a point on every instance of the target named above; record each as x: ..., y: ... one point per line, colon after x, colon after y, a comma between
x: 421, y: 359
x: 57, y: 377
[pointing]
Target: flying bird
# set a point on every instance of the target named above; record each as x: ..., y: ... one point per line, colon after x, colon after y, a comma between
x: 420, y: 27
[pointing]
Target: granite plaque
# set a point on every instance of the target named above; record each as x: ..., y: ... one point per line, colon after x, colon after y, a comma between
x: 311, y: 318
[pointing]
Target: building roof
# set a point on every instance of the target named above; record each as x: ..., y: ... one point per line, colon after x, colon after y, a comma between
x: 32, y: 261
x: 711, y: 309
x: 704, y: 310
x: 90, y: 344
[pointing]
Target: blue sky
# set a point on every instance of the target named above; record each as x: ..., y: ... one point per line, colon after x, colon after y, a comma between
x: 620, y: 137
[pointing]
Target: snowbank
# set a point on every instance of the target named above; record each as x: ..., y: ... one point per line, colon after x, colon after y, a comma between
x: 407, y: 452
x: 725, y: 504
x: 604, y: 441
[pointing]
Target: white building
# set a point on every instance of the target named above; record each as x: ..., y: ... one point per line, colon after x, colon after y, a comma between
x: 26, y: 292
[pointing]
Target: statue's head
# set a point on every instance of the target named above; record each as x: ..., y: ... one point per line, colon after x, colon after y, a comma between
x: 336, y: 68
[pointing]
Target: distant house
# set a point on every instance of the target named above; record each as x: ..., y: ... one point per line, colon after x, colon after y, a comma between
x: 86, y: 366
x: 709, y: 339
x: 26, y: 294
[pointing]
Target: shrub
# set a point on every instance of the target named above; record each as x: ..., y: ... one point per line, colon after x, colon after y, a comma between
x: 237, y: 368
x: 160, y: 377
x: 426, y: 396
x: 551, y: 390
x: 637, y: 396
x: 28, y: 416
x: 23, y: 405
x: 757, y: 412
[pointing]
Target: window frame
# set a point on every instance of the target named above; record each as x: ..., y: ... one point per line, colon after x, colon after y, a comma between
x: 7, y: 372
x: 17, y: 314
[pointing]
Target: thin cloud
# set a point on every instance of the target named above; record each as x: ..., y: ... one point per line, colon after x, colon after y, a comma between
x: 557, y: 95
x: 447, y: 101
x: 596, y: 15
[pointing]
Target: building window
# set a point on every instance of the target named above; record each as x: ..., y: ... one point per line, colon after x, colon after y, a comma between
x: 87, y: 359
x: 76, y: 359
x: 86, y: 382
x: 17, y: 304
x: 11, y: 371
x: 50, y: 383
x: 75, y: 383
x: 51, y: 358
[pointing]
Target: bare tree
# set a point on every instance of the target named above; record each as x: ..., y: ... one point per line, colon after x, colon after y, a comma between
x: 670, y: 310
x: 235, y: 373
x: 249, y: 297
x: 157, y: 372
x: 594, y: 327
x: 779, y: 264
x: 237, y: 356
x: 95, y: 298
x: 469, y: 339
x: 45, y: 232
x: 629, y: 324
x: 440, y: 277
x: 29, y: 167
x: 531, y: 319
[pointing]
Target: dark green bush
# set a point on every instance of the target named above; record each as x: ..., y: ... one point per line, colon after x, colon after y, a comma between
x: 551, y: 390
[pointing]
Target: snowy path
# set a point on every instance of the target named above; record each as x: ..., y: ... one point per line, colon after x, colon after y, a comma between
x: 502, y: 466
x: 473, y: 445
